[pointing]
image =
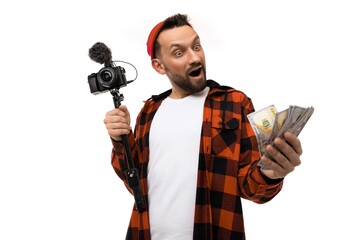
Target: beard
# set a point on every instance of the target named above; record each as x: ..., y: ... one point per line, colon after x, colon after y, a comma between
x: 184, y: 82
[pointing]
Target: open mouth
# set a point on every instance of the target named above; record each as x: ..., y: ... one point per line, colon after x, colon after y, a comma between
x: 196, y: 72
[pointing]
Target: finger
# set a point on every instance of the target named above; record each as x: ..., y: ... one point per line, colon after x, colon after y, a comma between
x: 273, y: 169
x: 117, y: 122
x: 113, y: 114
x: 280, y: 158
x: 124, y: 108
x: 115, y: 130
x: 125, y: 112
x: 285, y: 154
x: 293, y: 140
x: 117, y: 115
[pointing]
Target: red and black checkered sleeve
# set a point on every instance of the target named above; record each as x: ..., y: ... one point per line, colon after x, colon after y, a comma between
x: 253, y: 185
x: 118, y: 158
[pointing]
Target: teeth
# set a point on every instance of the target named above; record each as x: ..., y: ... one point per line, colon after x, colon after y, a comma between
x: 195, y: 69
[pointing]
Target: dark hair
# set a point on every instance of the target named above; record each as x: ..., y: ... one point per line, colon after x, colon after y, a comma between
x: 173, y: 21
x: 176, y: 20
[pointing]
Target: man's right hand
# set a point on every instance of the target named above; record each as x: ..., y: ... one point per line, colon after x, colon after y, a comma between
x: 117, y: 122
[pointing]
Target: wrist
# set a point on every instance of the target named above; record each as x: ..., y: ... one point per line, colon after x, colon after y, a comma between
x: 116, y: 139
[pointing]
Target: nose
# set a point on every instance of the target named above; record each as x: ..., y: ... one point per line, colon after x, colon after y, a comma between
x: 194, y: 56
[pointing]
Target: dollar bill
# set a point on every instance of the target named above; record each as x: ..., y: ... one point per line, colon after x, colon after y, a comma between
x: 268, y: 124
x: 263, y: 122
x: 301, y: 122
x: 279, y: 122
x: 294, y: 113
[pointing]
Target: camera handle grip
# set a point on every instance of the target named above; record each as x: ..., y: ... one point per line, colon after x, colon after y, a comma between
x: 132, y: 174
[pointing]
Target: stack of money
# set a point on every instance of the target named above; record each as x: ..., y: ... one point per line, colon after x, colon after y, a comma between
x: 268, y: 124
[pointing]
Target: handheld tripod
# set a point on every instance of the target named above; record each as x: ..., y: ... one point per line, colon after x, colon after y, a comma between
x: 132, y: 174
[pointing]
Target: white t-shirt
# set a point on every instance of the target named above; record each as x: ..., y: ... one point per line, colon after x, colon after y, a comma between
x: 174, y: 142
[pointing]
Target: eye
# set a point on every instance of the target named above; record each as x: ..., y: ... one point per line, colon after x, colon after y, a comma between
x: 178, y: 53
x: 197, y: 47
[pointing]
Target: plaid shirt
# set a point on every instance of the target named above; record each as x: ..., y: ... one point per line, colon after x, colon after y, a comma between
x: 227, y: 169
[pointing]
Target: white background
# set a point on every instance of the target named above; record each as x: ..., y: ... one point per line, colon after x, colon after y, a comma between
x: 56, y: 181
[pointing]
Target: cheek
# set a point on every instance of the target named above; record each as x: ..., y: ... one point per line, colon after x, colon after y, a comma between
x: 178, y: 67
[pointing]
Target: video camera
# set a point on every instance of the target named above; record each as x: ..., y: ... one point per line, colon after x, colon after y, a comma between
x: 109, y: 77
x: 106, y: 79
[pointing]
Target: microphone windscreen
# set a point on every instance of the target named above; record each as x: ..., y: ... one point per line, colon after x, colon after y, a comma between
x: 100, y: 53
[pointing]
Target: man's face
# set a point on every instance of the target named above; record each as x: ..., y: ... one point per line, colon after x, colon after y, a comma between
x: 183, y: 59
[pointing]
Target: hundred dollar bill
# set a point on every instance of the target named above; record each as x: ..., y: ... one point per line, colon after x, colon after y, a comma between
x: 279, y: 122
x: 294, y: 113
x: 297, y: 120
x: 262, y: 122
x: 301, y: 122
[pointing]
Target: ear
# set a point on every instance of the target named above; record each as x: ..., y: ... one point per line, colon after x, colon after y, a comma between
x: 157, y: 66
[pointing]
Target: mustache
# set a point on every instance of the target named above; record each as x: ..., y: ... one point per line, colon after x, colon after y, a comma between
x: 194, y: 67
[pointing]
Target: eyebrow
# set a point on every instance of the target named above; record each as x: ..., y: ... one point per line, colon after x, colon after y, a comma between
x: 196, y: 38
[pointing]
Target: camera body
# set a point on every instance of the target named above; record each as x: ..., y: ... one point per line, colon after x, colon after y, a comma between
x: 106, y: 79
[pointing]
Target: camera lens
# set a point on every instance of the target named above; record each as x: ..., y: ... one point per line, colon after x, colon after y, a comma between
x: 106, y: 76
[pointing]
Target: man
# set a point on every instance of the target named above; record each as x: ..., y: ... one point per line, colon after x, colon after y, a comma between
x: 194, y: 148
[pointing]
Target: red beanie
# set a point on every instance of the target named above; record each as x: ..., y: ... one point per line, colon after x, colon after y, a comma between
x: 152, y: 38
